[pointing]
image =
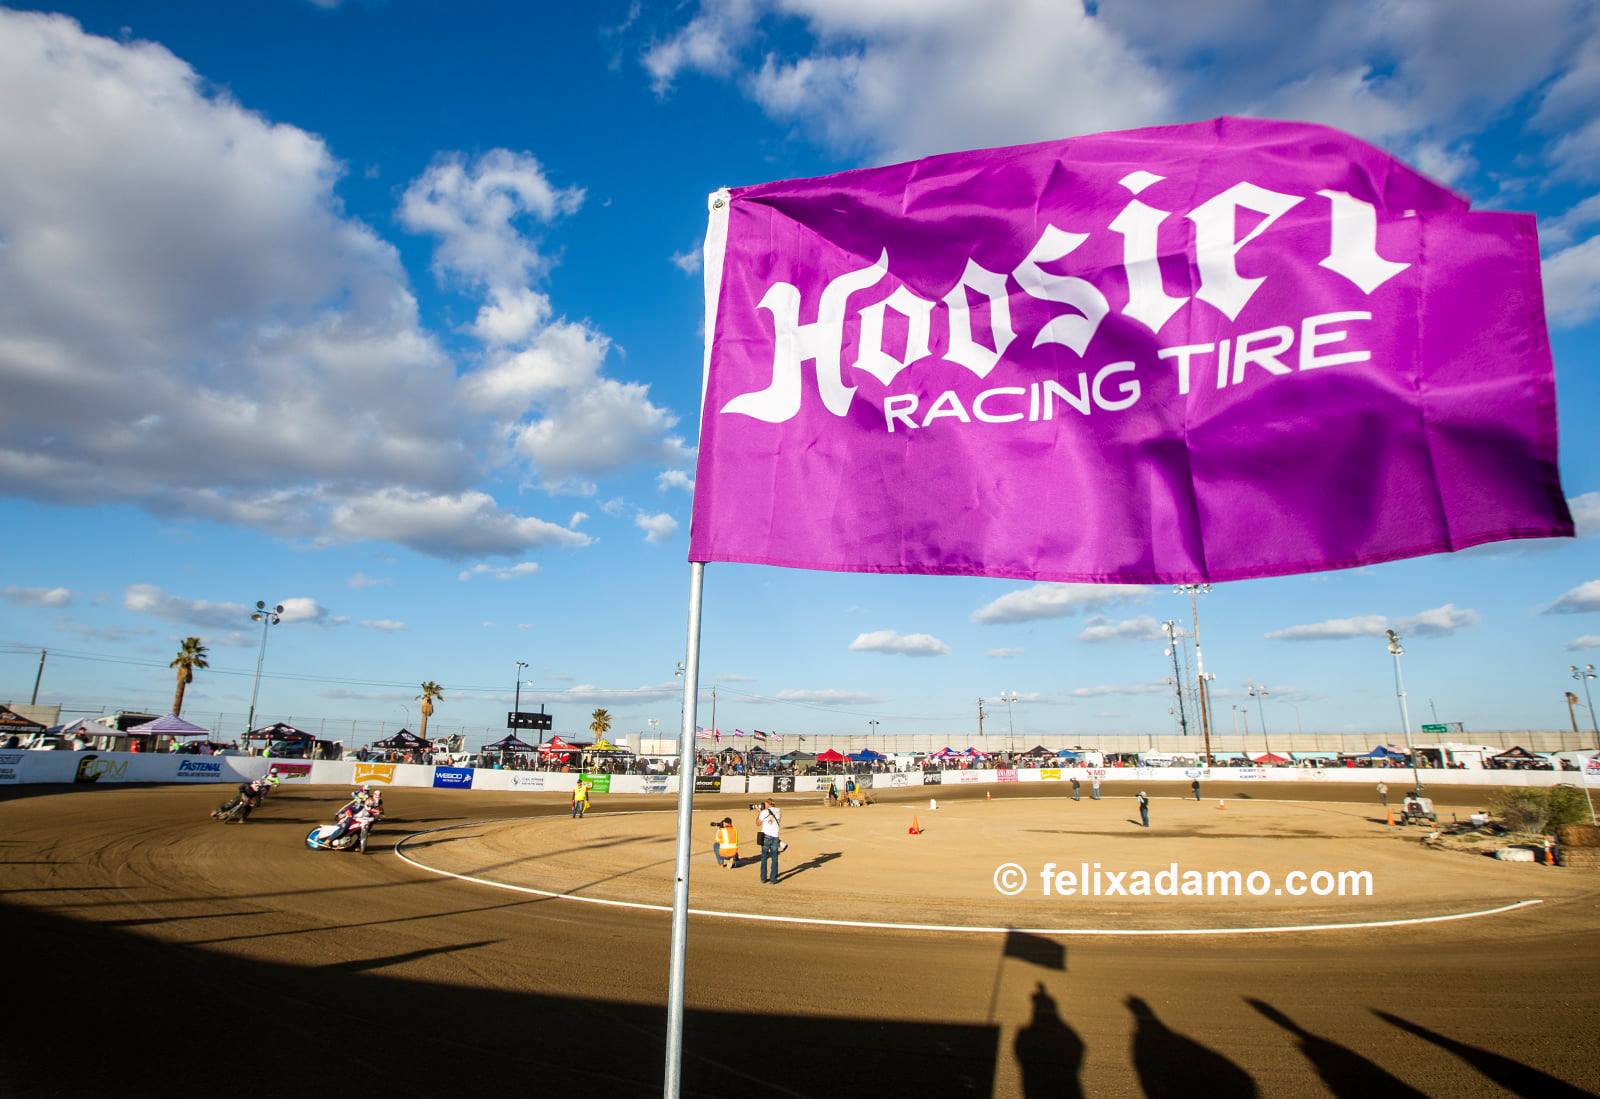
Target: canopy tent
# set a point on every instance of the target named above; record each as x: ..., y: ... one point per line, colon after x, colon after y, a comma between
x: 83, y: 726
x: 1380, y: 752
x: 731, y: 752
x: 405, y: 738
x: 1038, y: 750
x: 1517, y: 752
x: 758, y: 750
x: 1270, y: 757
x: 798, y: 757
x: 14, y: 724
x: 556, y: 745
x: 830, y: 756
x: 604, y: 745
x: 282, y: 730
x: 1068, y: 753
x: 973, y: 753
x: 947, y: 752
x: 1313, y: 755
x: 171, y: 725
x: 867, y: 755
x: 510, y: 743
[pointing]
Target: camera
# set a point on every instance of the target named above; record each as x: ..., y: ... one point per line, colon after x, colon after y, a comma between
x: 756, y: 806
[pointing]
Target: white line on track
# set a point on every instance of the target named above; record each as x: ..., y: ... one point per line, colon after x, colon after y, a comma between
x: 818, y: 921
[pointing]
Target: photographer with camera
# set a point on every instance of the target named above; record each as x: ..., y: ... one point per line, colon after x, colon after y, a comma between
x: 769, y: 819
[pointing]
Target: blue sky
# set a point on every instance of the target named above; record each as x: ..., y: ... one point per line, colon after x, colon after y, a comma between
x: 390, y: 311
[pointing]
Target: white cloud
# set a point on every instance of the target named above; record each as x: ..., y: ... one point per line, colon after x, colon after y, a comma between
x: 1585, y: 514
x: 36, y: 597
x: 614, y: 507
x: 904, y: 644
x: 1572, y: 284
x: 736, y: 679
x: 1437, y: 622
x: 1104, y: 690
x: 706, y: 44
x: 577, y: 518
x: 301, y: 608
x: 674, y: 478
x: 1142, y: 628
x: 508, y: 572
x: 599, y: 429
x: 1558, y: 231
x: 387, y: 625
x: 1582, y: 599
x: 657, y: 528
x: 1587, y: 641
x: 362, y: 580
x: 1056, y: 601
x: 458, y: 525
x: 149, y: 599
x: 825, y: 695
x: 586, y: 695
x: 476, y: 211
x: 689, y: 260
x: 1005, y: 653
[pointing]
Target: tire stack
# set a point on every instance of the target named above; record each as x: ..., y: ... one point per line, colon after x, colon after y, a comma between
x: 1579, y: 846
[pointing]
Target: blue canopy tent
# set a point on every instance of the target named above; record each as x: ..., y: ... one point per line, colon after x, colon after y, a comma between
x: 867, y: 755
x: 1068, y: 753
x: 1380, y: 752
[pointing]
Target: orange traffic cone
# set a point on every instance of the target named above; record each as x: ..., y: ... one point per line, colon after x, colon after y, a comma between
x: 988, y: 796
x: 1391, y: 818
x: 1221, y: 804
x: 1549, y: 852
x: 916, y: 827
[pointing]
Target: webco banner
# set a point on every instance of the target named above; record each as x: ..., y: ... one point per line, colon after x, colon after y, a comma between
x: 1204, y: 352
x: 453, y: 778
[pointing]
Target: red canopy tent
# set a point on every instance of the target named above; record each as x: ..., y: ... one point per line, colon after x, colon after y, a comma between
x: 1270, y: 757
x: 830, y: 756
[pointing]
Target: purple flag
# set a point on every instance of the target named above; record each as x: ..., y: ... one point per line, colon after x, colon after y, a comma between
x: 1204, y: 352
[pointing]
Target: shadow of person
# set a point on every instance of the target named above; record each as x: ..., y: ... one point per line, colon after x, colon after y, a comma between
x: 1049, y: 1053
x: 1172, y: 1064
x: 1514, y: 1076
x: 811, y: 864
x: 1343, y: 1071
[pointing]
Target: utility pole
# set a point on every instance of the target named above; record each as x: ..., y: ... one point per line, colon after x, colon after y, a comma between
x: 1194, y: 591
x: 980, y: 719
x: 38, y: 676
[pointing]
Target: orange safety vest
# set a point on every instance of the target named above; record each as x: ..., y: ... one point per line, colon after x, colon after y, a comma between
x: 728, y: 840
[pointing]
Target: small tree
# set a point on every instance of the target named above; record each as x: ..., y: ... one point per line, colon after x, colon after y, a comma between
x: 600, y: 722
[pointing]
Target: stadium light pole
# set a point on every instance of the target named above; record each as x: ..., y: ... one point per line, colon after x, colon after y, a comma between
x: 1170, y: 628
x: 1194, y: 591
x: 267, y: 616
x: 1397, y: 650
x: 1583, y: 675
x: 1259, y: 693
x: 516, y: 700
x: 1008, y: 697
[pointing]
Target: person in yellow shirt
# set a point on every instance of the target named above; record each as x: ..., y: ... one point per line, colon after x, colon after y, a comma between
x: 580, y: 799
x: 726, y: 848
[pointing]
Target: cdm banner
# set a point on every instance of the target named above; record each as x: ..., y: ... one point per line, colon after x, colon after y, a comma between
x: 1229, y: 349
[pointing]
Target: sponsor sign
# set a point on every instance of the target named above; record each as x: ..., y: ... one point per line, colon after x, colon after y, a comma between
x: 1193, y: 772
x: 11, y: 767
x: 91, y: 768
x: 288, y: 772
x: 897, y: 780
x: 1252, y: 772
x: 1591, y: 771
x: 1050, y: 774
x: 199, y: 768
x: 932, y: 778
x: 707, y: 784
x: 657, y: 784
x: 452, y: 778
x: 527, y: 780
x: 783, y: 784
x: 968, y: 776
x: 374, y: 772
x: 598, y: 784
x: 1006, y: 774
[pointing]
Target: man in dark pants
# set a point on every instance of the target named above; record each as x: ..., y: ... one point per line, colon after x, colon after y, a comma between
x: 1195, y: 786
x: 1144, y: 809
x: 769, y: 819
x: 1075, y: 787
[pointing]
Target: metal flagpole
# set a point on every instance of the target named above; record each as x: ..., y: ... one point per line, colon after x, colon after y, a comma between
x: 680, y: 889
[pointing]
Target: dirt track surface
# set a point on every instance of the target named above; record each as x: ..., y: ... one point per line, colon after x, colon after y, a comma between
x: 152, y: 950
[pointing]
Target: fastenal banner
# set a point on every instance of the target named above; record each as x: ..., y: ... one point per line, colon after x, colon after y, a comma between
x: 1204, y: 352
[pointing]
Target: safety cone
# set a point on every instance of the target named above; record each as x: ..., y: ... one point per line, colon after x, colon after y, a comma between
x: 933, y: 803
x: 988, y: 796
x: 1221, y: 804
x: 1549, y: 852
x: 1391, y: 818
x: 916, y: 827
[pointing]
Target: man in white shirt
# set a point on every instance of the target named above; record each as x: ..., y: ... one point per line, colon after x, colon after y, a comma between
x: 770, y: 818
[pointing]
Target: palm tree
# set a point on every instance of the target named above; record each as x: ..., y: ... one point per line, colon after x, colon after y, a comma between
x: 600, y: 722
x: 430, y: 691
x: 191, y: 655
